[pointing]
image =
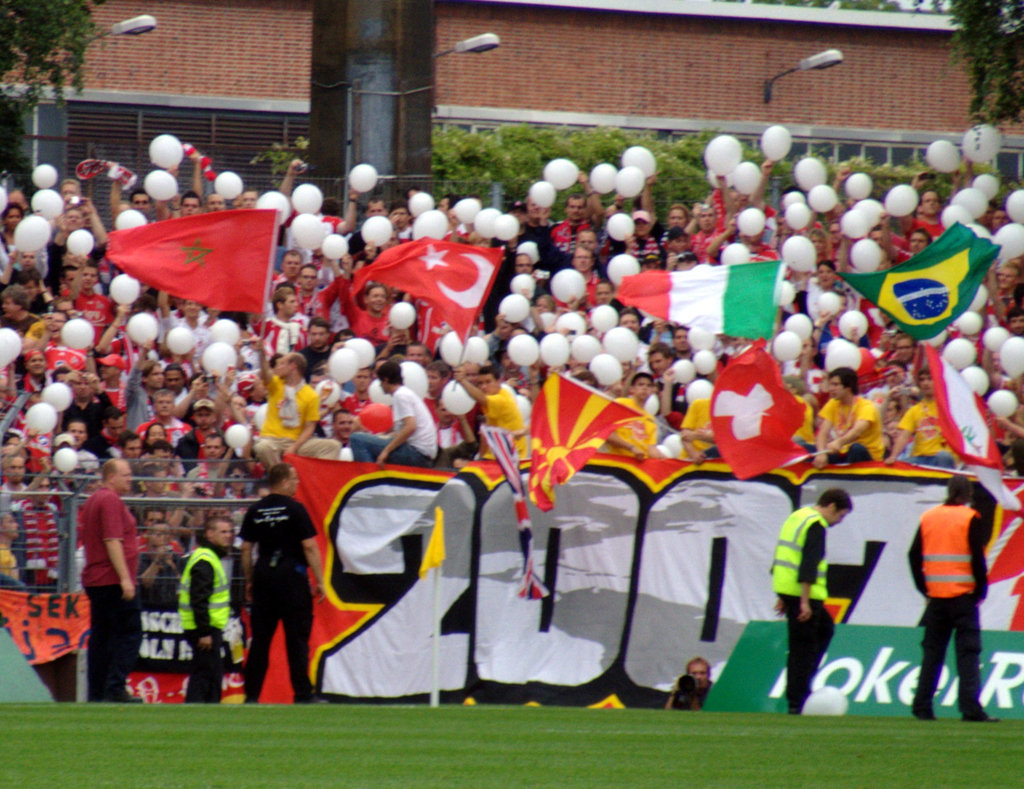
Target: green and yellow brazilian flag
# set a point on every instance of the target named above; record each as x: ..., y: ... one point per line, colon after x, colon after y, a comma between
x: 931, y: 290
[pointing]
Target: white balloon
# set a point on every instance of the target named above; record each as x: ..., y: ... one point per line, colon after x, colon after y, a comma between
x: 1010, y: 239
x: 606, y: 368
x: 180, y: 340
x: 735, y: 254
x: 855, y: 224
x: 602, y: 178
x: 943, y: 156
x: 809, y: 173
x: 515, y: 308
x: 543, y: 194
x: 309, y: 231
x: 684, y: 371
x: 3, y: 199
x: 938, y: 340
x: 858, y: 186
x: 960, y: 353
x: 785, y: 293
x: 673, y: 445
x: 456, y: 399
x: 477, y: 350
x: 547, y: 320
x: 853, y: 324
x: 1015, y: 205
x: 420, y: 203
x: 554, y: 350
x: 981, y: 143
x: 561, y: 173
x: 44, y: 176
x: 506, y: 227
x: 402, y: 315
x: 638, y: 156
x: 451, y: 349
x: 237, y: 436
x: 363, y: 177
x: 523, y: 350
x: 787, y: 347
x: 568, y: 284
x: 571, y: 322
x: 952, y: 214
x: 652, y: 405
x: 746, y: 177
x: 776, y: 142
x: 901, y: 200
x: 841, y: 353
x: 32, y: 234
x: 466, y: 210
x: 1011, y: 356
x: 826, y: 701
x: 798, y: 216
x: 621, y: 343
x: 307, y: 199
x: 630, y: 181
x: 866, y: 255
x: 47, y: 203
x: 130, y: 218
x: 77, y: 333
x: 523, y: 284
x: 58, y: 395
x: 976, y: 378
x: 525, y: 408
x: 414, y: 376
x: 260, y: 416
x: 700, y: 339
x: 973, y: 200
x: 799, y: 253
x: 723, y: 154
x: 342, y: 365
x: 165, y: 151
x: 700, y: 389
x: 218, y: 357
x: 275, y: 201
x: 822, y: 198
x: 872, y: 208
x: 1003, y: 403
x: 800, y: 325
x: 604, y: 317
x: 790, y: 198
x: 585, y: 347
x: 987, y: 184
x: 622, y: 266
x: 705, y: 362
x: 432, y: 224
x: 229, y: 185
x: 160, y: 185
x: 225, y: 330
x: 42, y: 417
x: 980, y: 300
x: 980, y: 231
x: 620, y: 226
x: 829, y: 303
x: 65, y: 460
x: 969, y: 324
x: 334, y: 246
x: 483, y: 223
x: 994, y: 338
x: 80, y: 242
x: 10, y: 346
x: 751, y: 221
x: 377, y: 230
x: 378, y: 395
x: 125, y: 289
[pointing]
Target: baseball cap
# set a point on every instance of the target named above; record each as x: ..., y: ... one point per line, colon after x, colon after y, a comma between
x: 204, y: 403
x: 113, y: 360
x: 63, y: 438
x: 641, y: 216
x: 676, y: 232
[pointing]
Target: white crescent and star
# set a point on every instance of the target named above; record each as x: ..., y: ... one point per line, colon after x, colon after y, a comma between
x: 473, y: 295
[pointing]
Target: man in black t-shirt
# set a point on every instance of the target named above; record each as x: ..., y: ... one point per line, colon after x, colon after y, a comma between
x: 277, y: 582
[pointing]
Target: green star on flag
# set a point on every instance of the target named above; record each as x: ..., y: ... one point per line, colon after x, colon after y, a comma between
x: 196, y: 253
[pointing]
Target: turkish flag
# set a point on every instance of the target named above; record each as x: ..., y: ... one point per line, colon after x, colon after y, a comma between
x: 753, y: 416
x: 222, y: 260
x: 450, y: 282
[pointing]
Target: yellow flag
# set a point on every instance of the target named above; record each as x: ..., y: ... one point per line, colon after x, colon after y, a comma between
x: 434, y: 555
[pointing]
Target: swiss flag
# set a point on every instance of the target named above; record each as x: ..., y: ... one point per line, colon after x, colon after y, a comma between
x: 753, y: 416
x: 449, y: 281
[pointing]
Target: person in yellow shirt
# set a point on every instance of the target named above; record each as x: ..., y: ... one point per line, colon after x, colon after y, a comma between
x: 920, y: 424
x: 851, y: 427
x: 497, y: 403
x: 796, y: 387
x: 639, y: 438
x: 695, y: 431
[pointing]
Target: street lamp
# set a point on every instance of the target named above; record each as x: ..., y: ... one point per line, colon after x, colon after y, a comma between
x: 826, y: 59
x: 482, y: 43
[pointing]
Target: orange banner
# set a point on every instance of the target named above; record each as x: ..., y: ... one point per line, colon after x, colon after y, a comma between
x: 45, y: 626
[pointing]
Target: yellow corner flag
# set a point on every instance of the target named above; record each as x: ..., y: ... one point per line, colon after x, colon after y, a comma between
x: 434, y: 556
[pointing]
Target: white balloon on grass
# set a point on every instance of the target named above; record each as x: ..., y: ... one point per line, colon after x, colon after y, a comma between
x: 506, y: 227
x: 621, y: 343
x: 1003, y: 403
x: 960, y: 353
x: 567, y: 285
x: 723, y: 154
x: 901, y: 200
x: 484, y: 220
x: 787, y: 346
x: 456, y: 399
x: 77, y: 333
x: 1011, y: 356
x: 543, y: 193
x: 165, y: 150
x: 584, y: 348
x: 602, y: 178
x: 942, y: 156
x: 42, y: 417
x: 638, y: 156
x: 799, y: 253
x: 32, y: 234
x: 746, y: 177
x: 561, y: 173
x: 750, y: 221
x: 363, y: 177
x: 58, y: 395
x: 160, y: 185
x: 735, y: 254
x: 342, y: 365
x: 125, y: 289
x: 994, y: 338
x: 180, y: 340
x: 81, y: 242
x: 976, y: 378
x: 630, y: 181
x: 776, y: 142
x: 604, y: 317
x: 973, y: 200
x: 554, y: 350
x: 130, y: 218
x: 377, y: 393
x: 47, y: 203
x: 309, y: 231
x: 866, y: 255
x: 606, y: 368
x: 523, y: 284
x: 225, y: 330
x: 622, y: 266
x: 798, y: 216
x: 414, y: 376
x: 307, y: 199
x: 571, y: 323
x: 1015, y: 205
x: 826, y: 702
x: 1010, y: 239
x: 466, y: 210
x: 237, y: 436
x: 44, y: 176
x: 858, y: 186
x: 402, y: 315
x: 684, y: 371
x: 987, y: 184
x: 969, y: 324
x: 841, y: 353
x: 699, y: 389
x: 523, y: 350
x: 477, y: 351
x: 377, y: 230
x: 853, y: 325
x: 620, y: 226
x: 809, y: 173
x: 822, y: 198
x: 65, y: 460
x: 275, y: 201
x: 981, y: 143
x: 800, y: 325
x: 705, y: 362
x: 229, y: 185
x: 514, y: 308
x: 855, y: 224
x: 334, y: 246
x: 433, y: 224
x: 952, y: 214
x: 420, y: 203
x: 218, y: 357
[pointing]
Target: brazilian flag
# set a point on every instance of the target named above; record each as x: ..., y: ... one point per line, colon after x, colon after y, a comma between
x: 935, y: 287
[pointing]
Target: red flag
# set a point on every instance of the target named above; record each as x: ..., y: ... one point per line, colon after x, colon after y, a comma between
x: 222, y: 260
x: 450, y: 281
x: 753, y: 416
x: 570, y: 422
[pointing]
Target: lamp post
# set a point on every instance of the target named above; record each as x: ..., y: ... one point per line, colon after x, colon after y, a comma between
x: 826, y: 59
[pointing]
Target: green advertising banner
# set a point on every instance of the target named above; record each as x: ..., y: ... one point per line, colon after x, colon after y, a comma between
x: 874, y: 667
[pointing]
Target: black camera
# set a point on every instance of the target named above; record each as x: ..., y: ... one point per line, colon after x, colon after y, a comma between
x: 686, y: 684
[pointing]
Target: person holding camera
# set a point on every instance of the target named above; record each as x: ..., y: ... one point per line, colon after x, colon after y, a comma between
x: 691, y: 689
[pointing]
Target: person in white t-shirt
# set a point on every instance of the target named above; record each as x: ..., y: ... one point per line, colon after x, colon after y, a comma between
x: 413, y: 441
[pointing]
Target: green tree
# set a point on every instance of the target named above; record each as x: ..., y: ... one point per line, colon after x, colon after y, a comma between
x: 42, y: 47
x: 989, y: 38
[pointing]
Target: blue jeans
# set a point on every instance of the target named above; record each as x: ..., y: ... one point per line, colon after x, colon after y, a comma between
x: 367, y: 446
x: 941, y: 459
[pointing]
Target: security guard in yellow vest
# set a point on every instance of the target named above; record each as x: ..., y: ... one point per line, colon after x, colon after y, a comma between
x: 204, y: 604
x: 947, y: 560
x: 799, y: 574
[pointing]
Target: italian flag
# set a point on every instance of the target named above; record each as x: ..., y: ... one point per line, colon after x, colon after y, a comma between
x: 740, y: 300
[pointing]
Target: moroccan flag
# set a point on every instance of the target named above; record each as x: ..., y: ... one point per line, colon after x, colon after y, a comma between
x: 931, y: 290
x: 739, y: 300
x: 222, y: 260
x: 753, y: 416
x: 451, y: 282
x: 570, y: 421
x: 963, y: 425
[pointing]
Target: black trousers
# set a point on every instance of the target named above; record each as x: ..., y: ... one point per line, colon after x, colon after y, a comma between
x: 206, y: 671
x: 941, y: 618
x: 114, y: 640
x: 807, y: 643
x: 280, y: 594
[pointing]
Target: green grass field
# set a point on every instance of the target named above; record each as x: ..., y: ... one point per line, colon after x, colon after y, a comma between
x: 355, y: 746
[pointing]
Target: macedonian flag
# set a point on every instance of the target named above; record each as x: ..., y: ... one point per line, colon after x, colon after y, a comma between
x: 570, y: 422
x: 932, y: 289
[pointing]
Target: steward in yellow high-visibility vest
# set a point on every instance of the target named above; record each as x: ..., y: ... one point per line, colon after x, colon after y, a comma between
x: 204, y: 603
x: 947, y: 560
x: 799, y: 578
